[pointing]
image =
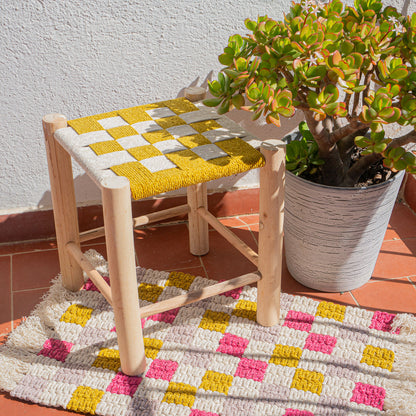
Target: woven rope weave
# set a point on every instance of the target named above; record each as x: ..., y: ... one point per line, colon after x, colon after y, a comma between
x: 160, y: 147
x: 211, y: 358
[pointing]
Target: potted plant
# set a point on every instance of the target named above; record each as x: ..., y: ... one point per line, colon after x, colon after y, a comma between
x: 352, y: 72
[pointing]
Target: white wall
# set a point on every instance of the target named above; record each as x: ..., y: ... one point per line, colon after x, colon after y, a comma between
x: 81, y: 57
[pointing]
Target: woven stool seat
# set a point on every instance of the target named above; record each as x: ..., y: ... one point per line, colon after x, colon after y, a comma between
x: 160, y: 147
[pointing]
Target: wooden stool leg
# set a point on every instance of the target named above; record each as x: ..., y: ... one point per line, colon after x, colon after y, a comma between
x: 272, y: 177
x: 63, y: 200
x: 118, y: 224
x: 198, y: 227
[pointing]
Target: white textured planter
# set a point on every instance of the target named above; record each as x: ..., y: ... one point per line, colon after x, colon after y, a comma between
x: 333, y: 235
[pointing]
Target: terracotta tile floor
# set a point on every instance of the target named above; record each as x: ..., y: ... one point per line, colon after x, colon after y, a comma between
x: 26, y: 270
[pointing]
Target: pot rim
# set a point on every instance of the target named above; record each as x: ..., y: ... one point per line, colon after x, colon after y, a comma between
x: 348, y: 188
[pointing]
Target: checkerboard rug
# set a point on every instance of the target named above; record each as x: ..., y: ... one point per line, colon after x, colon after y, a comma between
x: 212, y: 358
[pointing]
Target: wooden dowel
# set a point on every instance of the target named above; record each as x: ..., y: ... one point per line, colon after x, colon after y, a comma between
x: 139, y: 221
x: 160, y: 215
x: 89, y: 269
x: 198, y: 227
x: 91, y: 234
x: 63, y: 199
x: 240, y: 245
x: 118, y: 225
x: 272, y: 180
x: 206, y: 292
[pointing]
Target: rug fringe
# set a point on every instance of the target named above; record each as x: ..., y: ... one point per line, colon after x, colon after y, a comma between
x: 26, y: 340
x: 401, y: 387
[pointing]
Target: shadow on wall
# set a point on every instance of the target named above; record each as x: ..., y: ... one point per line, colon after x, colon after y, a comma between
x: 405, y: 9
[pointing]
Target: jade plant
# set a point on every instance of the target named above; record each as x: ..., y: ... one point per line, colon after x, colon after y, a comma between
x: 351, y: 70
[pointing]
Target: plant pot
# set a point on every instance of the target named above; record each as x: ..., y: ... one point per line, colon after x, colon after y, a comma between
x: 333, y: 235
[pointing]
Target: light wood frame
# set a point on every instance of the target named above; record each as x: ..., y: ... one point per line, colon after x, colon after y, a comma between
x: 118, y: 230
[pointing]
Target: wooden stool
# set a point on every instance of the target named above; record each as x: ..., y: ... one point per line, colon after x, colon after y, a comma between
x: 144, y: 151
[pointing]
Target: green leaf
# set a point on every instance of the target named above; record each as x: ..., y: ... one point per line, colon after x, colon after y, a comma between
x: 380, y: 147
x: 250, y: 24
x: 241, y: 64
x: 224, y: 108
x: 362, y: 141
x: 225, y: 59
x: 399, y: 73
x: 212, y: 102
x: 238, y: 101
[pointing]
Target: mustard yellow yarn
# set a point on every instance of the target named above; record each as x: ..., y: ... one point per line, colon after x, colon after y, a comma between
x: 188, y: 167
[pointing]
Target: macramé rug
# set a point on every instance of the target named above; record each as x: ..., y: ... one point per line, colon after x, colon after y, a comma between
x: 211, y: 358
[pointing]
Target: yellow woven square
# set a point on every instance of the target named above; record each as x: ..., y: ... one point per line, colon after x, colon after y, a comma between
x: 149, y: 292
x: 77, y: 314
x: 152, y: 347
x: 180, y: 393
x: 145, y: 183
x: 203, y: 126
x: 107, y: 358
x: 188, y: 160
x: 157, y: 136
x: 214, y: 381
x: 215, y: 321
x: 193, y: 140
x: 144, y: 152
x: 152, y: 106
x: 85, y: 400
x: 378, y: 357
x: 180, y: 280
x: 245, y: 309
x: 308, y: 381
x: 286, y: 355
x: 167, y: 122
x: 134, y: 115
x: 180, y: 105
x: 108, y: 146
x: 239, y: 149
x: 121, y: 131
x: 85, y: 125
x: 331, y: 311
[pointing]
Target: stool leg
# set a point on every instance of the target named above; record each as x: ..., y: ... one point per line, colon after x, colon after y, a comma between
x: 198, y: 227
x: 118, y: 225
x: 63, y: 200
x: 271, y: 233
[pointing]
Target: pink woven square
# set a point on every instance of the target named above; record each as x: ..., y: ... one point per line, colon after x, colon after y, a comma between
x: 319, y: 342
x: 56, y: 348
x: 168, y: 316
x: 382, y: 321
x: 251, y: 369
x: 162, y: 369
x: 299, y: 320
x: 232, y: 345
x: 369, y: 395
x: 122, y: 384
x: 294, y: 412
x: 89, y: 285
x: 235, y: 293
x: 196, y: 412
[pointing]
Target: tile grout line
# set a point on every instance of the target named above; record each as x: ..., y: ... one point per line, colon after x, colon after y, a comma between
x: 29, y: 290
x: 355, y: 300
x: 411, y: 282
x: 203, y: 266
x: 11, y: 294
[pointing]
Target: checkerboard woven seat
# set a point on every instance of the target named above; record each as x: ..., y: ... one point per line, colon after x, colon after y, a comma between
x: 160, y: 147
